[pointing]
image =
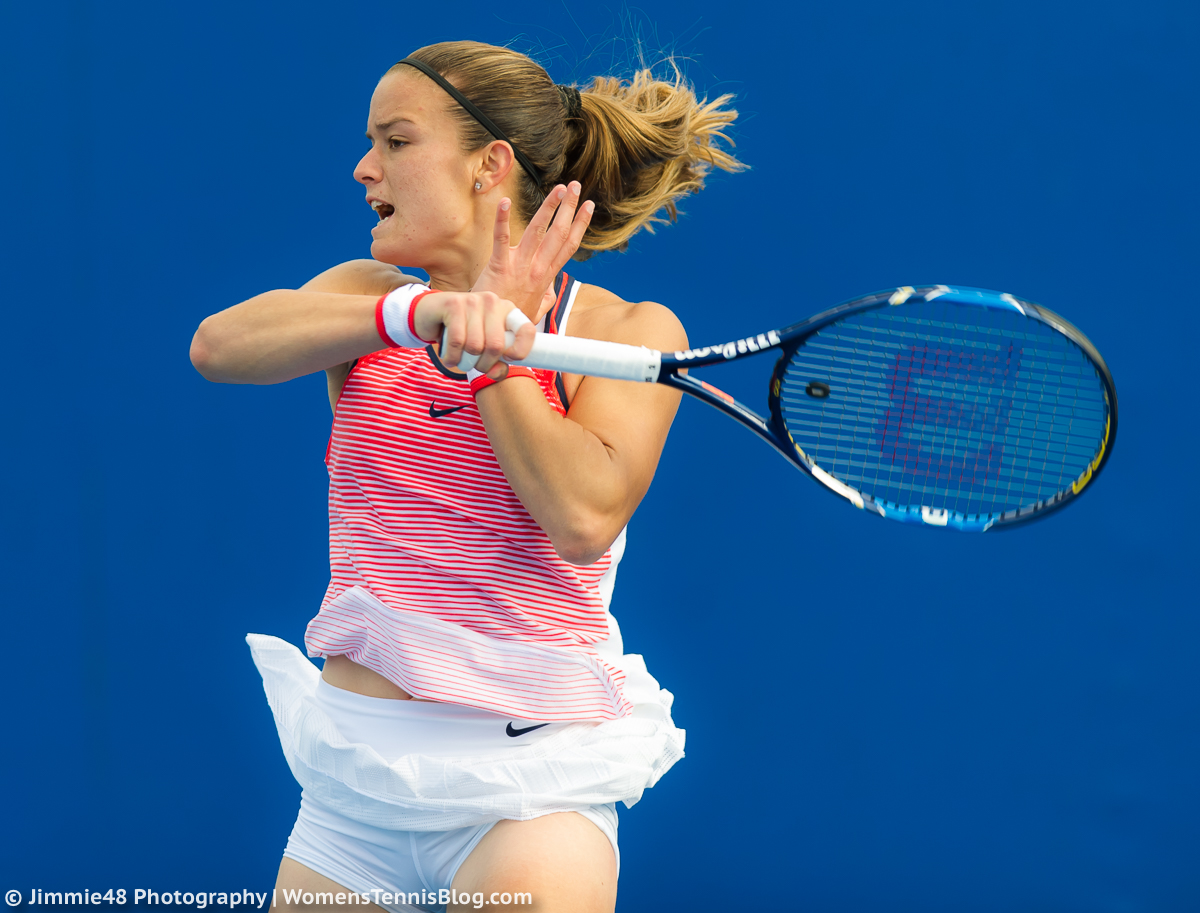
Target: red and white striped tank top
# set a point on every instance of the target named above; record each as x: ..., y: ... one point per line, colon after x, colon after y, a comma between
x: 441, y: 581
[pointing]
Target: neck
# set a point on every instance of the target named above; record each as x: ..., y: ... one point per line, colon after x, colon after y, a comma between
x: 465, y: 262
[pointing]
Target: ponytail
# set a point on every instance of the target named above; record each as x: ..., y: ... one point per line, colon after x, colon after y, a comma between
x: 638, y: 148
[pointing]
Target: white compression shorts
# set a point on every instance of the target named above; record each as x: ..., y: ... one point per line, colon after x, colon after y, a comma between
x: 388, y: 864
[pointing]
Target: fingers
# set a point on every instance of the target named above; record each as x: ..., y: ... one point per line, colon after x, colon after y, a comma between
x: 541, y: 219
x: 454, y: 325
x: 574, y: 237
x: 579, y: 228
x: 566, y: 232
x: 491, y: 330
x: 553, y: 235
x: 561, y: 226
x: 474, y: 323
x: 502, y: 232
x: 522, y: 344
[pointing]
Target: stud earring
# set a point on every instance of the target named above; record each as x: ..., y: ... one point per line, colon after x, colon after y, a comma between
x: 478, y: 186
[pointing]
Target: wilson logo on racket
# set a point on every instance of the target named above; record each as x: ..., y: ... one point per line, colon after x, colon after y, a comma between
x: 734, y: 349
x: 942, y: 397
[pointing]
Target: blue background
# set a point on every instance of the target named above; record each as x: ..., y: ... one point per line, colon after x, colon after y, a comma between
x: 880, y: 718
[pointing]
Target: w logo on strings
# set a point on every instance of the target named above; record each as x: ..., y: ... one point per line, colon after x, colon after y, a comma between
x: 948, y: 412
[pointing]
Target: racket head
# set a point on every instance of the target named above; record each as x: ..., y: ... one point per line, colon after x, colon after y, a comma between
x: 945, y: 406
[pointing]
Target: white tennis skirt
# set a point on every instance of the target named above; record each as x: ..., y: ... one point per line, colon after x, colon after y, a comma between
x: 571, y: 767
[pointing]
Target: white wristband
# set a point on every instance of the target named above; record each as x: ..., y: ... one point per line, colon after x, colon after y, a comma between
x: 393, y: 317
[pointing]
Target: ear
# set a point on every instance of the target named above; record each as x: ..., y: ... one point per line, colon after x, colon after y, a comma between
x: 495, y: 165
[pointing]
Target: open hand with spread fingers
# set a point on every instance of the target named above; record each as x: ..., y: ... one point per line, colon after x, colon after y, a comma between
x: 520, y: 276
x: 525, y: 274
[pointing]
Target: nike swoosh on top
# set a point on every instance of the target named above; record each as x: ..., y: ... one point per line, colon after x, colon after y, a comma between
x: 438, y: 413
x: 516, y: 732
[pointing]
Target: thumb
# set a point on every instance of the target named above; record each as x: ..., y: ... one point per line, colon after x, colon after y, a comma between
x: 547, y: 302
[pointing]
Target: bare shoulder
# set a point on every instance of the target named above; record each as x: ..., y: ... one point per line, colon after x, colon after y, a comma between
x: 355, y: 277
x: 360, y: 277
x: 599, y: 314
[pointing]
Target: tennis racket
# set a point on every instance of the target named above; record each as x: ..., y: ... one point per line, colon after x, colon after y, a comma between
x: 939, y: 405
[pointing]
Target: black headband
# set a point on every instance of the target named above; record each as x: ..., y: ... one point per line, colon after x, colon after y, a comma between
x: 469, y: 107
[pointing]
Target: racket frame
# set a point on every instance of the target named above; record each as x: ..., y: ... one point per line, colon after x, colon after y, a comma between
x: 788, y: 339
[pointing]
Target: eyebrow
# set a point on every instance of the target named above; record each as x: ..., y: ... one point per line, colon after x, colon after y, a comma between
x: 383, y: 128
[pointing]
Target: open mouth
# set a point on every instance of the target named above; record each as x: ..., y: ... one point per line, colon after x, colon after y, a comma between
x: 383, y: 210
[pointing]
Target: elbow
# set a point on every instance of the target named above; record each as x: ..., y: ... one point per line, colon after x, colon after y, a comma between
x: 216, y: 358
x: 204, y: 354
x: 201, y: 354
x: 586, y: 542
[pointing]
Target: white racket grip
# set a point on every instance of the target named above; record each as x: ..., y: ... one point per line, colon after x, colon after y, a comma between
x: 593, y: 357
x: 575, y: 355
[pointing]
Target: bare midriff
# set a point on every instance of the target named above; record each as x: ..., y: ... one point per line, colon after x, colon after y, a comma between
x: 343, y: 672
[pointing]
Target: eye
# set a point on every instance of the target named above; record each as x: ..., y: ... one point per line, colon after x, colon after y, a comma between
x: 395, y: 143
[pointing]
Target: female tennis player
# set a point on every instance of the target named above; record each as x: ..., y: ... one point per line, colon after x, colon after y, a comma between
x: 476, y: 718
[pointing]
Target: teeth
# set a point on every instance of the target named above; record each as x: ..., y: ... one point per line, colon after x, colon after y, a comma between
x: 375, y: 204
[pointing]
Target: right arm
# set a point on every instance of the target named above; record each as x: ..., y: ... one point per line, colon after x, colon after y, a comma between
x: 285, y: 333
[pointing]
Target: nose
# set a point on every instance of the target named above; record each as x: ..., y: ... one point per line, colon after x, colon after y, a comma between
x: 367, y: 170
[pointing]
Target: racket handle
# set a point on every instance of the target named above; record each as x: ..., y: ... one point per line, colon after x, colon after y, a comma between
x: 593, y: 357
x: 576, y: 355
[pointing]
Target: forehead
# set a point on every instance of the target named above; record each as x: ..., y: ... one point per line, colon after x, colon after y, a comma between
x: 405, y: 95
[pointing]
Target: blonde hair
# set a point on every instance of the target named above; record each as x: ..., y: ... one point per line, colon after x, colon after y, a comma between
x: 636, y: 147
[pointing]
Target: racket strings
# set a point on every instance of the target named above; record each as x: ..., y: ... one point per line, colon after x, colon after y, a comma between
x: 928, y: 408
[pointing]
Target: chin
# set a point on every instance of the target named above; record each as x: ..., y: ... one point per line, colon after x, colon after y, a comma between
x: 385, y: 252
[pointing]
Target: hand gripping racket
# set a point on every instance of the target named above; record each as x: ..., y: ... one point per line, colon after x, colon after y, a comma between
x: 945, y: 406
